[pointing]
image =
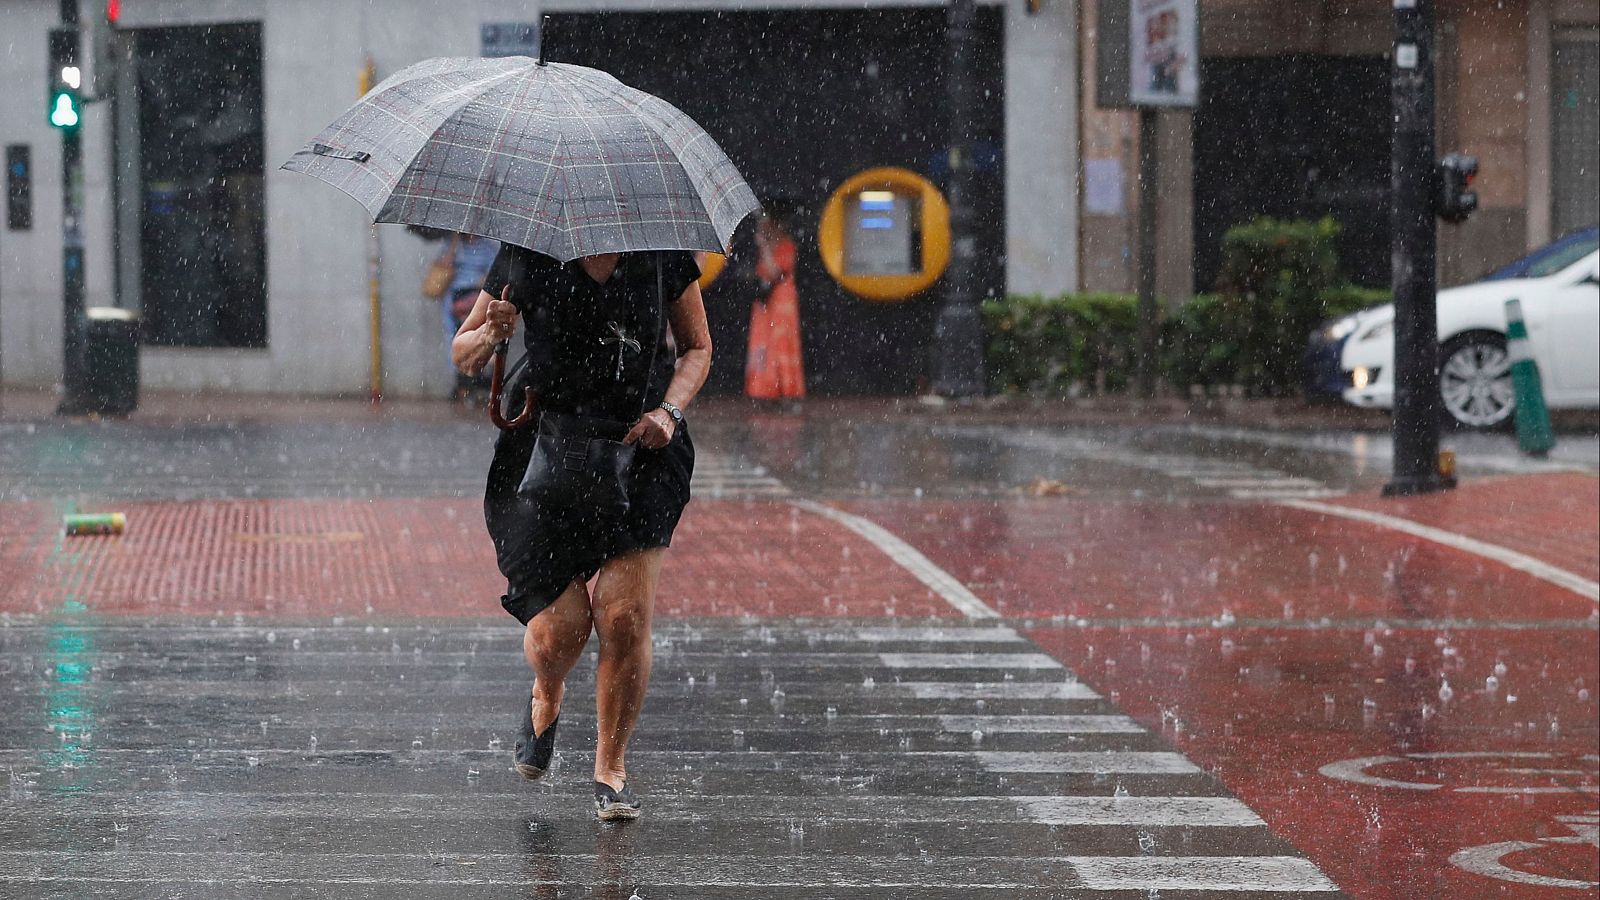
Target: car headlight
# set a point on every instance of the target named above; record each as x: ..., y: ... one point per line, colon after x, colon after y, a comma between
x: 1339, y: 329
x: 1379, y: 330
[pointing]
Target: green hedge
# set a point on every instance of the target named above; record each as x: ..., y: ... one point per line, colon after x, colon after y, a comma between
x: 1279, y: 280
x: 1060, y: 346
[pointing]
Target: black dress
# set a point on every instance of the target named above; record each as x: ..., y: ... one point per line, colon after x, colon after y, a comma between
x: 589, y: 350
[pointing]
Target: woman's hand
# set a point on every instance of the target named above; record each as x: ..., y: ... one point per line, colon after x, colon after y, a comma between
x: 502, y: 317
x: 653, y: 431
x: 490, y: 322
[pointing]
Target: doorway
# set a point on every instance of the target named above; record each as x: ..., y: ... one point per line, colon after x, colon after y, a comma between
x: 194, y: 218
x: 801, y: 100
x: 1294, y: 137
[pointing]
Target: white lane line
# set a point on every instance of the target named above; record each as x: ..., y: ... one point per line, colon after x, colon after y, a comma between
x: 935, y: 635
x: 1504, y: 555
x: 1283, y: 493
x: 1111, y: 762
x: 907, y: 557
x: 768, y: 873
x: 466, y: 812
x: 1215, y: 812
x: 998, y: 690
x: 966, y: 661
x: 1067, y: 724
x: 1199, y: 873
x: 1266, y: 481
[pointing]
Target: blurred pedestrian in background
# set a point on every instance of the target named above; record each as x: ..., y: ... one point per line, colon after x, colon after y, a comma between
x: 773, y: 369
x: 455, y: 278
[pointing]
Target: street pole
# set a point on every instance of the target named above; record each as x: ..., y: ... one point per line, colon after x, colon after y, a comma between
x: 1414, y: 252
x: 1149, y: 174
x: 958, y: 334
x: 74, y: 326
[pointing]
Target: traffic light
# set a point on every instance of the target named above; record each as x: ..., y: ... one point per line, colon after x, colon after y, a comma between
x: 1457, y: 200
x: 65, y: 79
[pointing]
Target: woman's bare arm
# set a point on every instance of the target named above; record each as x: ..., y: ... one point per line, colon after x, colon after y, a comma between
x: 490, y: 322
x: 687, y: 318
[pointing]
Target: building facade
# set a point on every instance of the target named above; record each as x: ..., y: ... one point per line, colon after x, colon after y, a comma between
x: 1292, y: 122
x: 251, y: 279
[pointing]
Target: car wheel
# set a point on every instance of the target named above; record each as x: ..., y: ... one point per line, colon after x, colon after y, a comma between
x: 1475, y: 381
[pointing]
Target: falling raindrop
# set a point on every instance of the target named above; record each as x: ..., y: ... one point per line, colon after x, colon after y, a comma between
x: 1446, y: 692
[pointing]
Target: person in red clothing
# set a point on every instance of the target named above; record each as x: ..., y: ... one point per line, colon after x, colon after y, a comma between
x: 773, y: 370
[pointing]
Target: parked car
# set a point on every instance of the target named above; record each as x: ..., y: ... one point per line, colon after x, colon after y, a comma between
x: 1562, y: 311
x: 1552, y: 257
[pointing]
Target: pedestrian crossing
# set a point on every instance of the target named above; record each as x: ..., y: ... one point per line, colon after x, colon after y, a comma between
x: 1236, y: 478
x: 794, y: 758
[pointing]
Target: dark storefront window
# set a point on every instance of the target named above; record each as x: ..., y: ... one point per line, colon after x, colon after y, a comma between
x: 201, y: 267
x: 1294, y: 137
x: 1576, y: 115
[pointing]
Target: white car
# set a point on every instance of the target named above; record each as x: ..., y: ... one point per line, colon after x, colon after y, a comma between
x: 1562, y: 311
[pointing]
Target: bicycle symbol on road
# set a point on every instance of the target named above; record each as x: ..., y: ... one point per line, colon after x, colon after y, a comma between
x: 1508, y: 773
x: 1489, y: 859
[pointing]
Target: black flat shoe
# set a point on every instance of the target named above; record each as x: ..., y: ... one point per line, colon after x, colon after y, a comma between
x: 613, y: 805
x: 533, y: 751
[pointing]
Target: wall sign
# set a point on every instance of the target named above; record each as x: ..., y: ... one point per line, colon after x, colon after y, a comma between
x: 510, y: 39
x: 1148, y: 54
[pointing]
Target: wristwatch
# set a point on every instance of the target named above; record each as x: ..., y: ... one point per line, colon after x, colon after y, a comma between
x: 674, y: 412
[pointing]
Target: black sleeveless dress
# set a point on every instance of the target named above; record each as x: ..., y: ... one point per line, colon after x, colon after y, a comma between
x: 589, y: 352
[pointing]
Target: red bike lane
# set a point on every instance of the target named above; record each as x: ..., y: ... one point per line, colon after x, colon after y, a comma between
x: 1418, y: 720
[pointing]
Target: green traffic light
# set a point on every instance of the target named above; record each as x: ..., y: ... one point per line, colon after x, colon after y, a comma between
x: 64, y: 110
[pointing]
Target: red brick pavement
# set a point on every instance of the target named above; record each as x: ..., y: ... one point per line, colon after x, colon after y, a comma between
x: 1554, y: 518
x: 1063, y: 557
x: 1253, y: 706
x: 422, y: 557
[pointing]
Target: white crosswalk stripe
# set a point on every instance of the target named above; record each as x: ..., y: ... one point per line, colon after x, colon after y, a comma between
x: 1240, y: 480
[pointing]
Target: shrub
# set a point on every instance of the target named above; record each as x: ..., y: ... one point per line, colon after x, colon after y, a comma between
x: 1062, y: 346
x: 1279, y: 281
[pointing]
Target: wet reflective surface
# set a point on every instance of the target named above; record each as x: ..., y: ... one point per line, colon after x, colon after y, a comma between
x: 997, y: 660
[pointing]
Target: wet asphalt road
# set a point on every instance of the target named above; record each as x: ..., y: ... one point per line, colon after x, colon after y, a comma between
x: 740, y: 454
x: 806, y: 754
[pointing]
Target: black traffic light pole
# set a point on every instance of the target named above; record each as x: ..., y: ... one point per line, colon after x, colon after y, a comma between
x: 74, y: 326
x: 958, y: 334
x: 1414, y: 250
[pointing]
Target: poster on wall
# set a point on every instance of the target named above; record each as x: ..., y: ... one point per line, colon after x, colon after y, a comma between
x: 1164, y: 52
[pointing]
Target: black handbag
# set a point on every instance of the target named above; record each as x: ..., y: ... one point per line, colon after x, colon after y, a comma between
x: 579, y: 463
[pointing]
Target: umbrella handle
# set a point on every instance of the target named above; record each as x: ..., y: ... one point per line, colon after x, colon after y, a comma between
x: 497, y: 384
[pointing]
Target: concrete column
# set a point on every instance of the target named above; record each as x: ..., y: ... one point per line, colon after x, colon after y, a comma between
x: 1175, y: 209
x: 1539, y: 125
x: 1041, y: 147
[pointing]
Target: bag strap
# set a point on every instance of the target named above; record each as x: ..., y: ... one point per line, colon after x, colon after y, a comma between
x: 655, y: 337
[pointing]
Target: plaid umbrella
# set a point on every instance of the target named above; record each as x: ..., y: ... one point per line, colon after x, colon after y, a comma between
x: 561, y: 159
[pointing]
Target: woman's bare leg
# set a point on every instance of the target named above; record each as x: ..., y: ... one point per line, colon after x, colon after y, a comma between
x: 624, y: 596
x: 553, y: 643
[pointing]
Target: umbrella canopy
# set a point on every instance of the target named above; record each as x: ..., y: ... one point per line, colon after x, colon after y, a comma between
x: 560, y: 159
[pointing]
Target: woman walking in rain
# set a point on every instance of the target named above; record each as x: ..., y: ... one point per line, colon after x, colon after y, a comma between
x: 598, y: 348
x: 599, y: 194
